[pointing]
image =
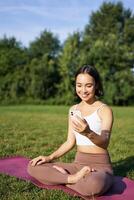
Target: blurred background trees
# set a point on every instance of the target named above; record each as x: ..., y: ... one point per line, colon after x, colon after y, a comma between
x: 44, y: 72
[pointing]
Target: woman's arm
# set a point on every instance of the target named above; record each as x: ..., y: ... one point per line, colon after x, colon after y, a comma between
x: 68, y: 144
x: 102, y: 140
x: 64, y: 148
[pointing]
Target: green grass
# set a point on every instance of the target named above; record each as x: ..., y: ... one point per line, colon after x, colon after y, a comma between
x: 39, y: 130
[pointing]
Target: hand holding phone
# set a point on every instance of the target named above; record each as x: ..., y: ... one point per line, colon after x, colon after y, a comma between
x: 76, y: 113
x: 79, y: 125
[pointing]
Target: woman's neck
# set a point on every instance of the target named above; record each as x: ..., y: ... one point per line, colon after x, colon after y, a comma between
x: 90, y: 102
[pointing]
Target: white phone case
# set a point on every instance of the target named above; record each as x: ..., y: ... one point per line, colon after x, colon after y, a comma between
x: 76, y: 113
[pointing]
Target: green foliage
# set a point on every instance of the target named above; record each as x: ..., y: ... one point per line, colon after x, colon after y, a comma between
x: 68, y: 63
x: 110, y: 18
x: 27, y: 74
x: 12, y: 55
x: 13, y: 58
x: 44, y: 72
x: 44, y: 77
x: 43, y: 66
x: 46, y: 43
x: 111, y: 50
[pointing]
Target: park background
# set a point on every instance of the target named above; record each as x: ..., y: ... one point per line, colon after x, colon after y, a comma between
x: 43, y: 72
x: 37, y: 88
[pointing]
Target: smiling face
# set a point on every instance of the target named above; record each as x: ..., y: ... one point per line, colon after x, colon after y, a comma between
x: 85, y: 87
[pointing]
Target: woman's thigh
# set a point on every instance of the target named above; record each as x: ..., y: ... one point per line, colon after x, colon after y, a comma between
x: 47, y: 173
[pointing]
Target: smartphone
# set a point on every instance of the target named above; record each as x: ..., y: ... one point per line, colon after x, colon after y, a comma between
x: 76, y: 113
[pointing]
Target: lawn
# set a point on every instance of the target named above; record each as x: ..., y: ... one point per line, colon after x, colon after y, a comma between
x: 32, y: 130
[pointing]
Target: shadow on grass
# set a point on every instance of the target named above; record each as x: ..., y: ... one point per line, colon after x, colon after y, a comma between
x: 124, y: 166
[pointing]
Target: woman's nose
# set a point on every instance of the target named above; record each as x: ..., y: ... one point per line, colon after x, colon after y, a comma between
x: 84, y: 89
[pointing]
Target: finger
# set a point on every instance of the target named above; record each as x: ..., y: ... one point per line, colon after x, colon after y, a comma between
x: 40, y: 162
x: 76, y: 124
x: 30, y: 161
x: 80, y: 122
x: 33, y: 164
x: 77, y: 121
x: 76, y: 128
x: 35, y: 161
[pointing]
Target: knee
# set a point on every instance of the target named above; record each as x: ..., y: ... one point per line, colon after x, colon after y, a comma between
x: 30, y: 169
x: 97, y: 186
x: 93, y: 187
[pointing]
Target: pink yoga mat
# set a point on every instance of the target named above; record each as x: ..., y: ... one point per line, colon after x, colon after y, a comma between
x: 122, y: 189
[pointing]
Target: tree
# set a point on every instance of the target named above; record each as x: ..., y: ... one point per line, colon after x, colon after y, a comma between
x: 44, y: 77
x: 13, y: 58
x: 12, y: 55
x: 108, y: 43
x: 43, y: 67
x: 46, y: 43
x: 68, y: 64
x: 110, y: 18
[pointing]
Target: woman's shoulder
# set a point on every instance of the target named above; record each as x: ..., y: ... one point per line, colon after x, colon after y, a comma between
x: 103, y: 105
x: 73, y: 107
x: 104, y: 109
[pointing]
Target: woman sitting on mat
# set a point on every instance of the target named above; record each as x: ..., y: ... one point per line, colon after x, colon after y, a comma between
x: 90, y: 124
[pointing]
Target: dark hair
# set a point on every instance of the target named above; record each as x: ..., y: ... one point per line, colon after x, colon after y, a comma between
x: 92, y: 71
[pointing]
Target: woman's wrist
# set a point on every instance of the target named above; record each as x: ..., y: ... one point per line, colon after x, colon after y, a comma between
x: 88, y: 131
x: 54, y: 155
x: 51, y: 157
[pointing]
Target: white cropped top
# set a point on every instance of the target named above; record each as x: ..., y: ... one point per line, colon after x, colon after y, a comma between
x: 94, y: 122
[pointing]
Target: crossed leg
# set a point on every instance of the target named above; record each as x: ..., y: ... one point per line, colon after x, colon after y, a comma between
x: 74, y: 177
x: 58, y: 173
x: 79, y: 178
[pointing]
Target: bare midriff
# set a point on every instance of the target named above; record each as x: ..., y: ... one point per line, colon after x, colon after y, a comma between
x: 90, y: 149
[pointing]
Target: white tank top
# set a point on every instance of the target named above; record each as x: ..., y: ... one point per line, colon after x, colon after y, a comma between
x: 94, y: 122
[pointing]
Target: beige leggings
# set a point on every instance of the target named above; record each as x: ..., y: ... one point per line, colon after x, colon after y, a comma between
x: 94, y: 183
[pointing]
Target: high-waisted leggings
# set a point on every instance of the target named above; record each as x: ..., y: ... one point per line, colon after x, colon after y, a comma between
x: 93, y: 183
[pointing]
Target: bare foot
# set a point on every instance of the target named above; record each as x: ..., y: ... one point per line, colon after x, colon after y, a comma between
x: 80, y: 174
x: 60, y: 169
